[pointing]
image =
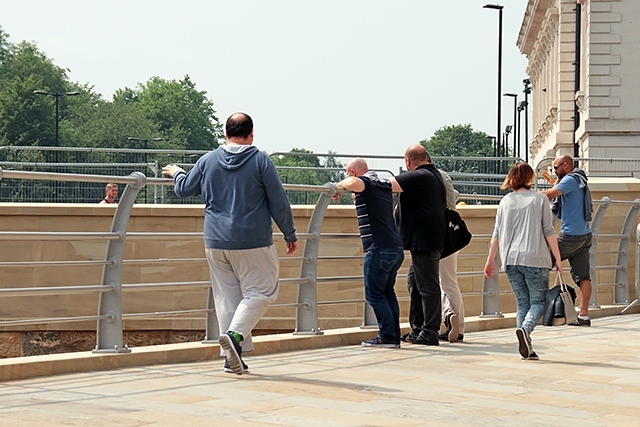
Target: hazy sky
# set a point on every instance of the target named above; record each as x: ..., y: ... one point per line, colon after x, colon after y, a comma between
x: 343, y: 75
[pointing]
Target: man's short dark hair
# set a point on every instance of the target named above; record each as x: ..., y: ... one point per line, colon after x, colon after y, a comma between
x: 239, y: 125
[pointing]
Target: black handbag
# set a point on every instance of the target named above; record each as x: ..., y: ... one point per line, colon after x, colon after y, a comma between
x: 457, y: 235
x: 555, y: 313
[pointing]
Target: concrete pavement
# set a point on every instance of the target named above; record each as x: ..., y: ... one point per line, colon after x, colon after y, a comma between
x: 586, y: 377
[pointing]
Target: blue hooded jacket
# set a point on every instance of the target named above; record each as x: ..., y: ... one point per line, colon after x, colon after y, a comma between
x: 242, y: 192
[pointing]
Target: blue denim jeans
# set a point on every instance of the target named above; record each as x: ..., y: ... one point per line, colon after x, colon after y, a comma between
x: 380, y: 269
x: 530, y: 286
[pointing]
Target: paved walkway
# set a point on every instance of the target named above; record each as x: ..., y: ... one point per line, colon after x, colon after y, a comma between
x: 586, y: 377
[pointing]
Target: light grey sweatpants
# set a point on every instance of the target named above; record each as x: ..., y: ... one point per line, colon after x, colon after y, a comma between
x: 245, y: 282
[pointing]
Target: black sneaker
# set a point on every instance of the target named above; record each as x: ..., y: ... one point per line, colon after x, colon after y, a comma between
x: 452, y: 335
x: 228, y: 370
x: 445, y: 337
x: 233, y: 353
x: 408, y: 337
x: 523, y: 343
x: 378, y: 342
x: 532, y: 356
x: 421, y: 339
x: 580, y: 322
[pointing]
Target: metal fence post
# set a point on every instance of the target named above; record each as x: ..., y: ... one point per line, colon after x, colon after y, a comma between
x: 621, y: 290
x: 637, y: 272
x: 307, y: 309
x: 212, y: 330
x: 491, y: 292
x: 109, y: 332
x: 595, y: 230
x: 369, y: 319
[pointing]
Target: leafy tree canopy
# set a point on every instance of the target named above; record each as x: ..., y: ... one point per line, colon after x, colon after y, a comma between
x: 172, y: 109
x: 27, y: 118
x: 178, y: 109
x: 302, y: 170
x: 458, y: 141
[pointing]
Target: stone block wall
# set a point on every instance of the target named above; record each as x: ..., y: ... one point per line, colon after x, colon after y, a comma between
x: 166, y: 218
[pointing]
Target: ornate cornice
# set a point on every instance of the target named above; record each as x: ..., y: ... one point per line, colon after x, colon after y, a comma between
x: 543, y: 46
x: 548, y: 124
x: 534, y: 15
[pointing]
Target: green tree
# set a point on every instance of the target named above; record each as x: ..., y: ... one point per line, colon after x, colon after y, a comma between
x: 27, y: 118
x: 304, y: 170
x: 459, y: 141
x: 178, y: 109
x: 109, y: 124
x: 4, y: 45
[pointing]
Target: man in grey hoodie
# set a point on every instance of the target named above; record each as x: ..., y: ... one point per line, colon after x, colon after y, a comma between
x: 572, y: 204
x: 242, y: 193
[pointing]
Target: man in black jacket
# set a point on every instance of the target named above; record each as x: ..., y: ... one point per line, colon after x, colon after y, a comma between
x: 421, y: 223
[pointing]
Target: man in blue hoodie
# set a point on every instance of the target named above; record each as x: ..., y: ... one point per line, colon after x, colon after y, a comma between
x: 242, y: 193
x: 572, y: 204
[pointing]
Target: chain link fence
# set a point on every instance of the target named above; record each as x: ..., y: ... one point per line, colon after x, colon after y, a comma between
x: 470, y: 175
x: 94, y: 161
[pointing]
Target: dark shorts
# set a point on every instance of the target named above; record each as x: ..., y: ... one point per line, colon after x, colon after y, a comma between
x: 576, y: 250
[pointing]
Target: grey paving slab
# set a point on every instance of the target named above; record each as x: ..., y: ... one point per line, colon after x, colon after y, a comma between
x: 586, y: 377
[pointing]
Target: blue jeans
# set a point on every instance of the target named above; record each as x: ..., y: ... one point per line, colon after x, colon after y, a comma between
x: 530, y: 286
x: 380, y: 268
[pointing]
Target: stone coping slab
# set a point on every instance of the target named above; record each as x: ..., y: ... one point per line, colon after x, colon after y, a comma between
x: 55, y: 364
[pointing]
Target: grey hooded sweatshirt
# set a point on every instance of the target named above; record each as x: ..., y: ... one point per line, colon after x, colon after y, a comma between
x: 242, y: 192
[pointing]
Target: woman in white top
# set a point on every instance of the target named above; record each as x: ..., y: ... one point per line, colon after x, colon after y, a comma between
x: 524, y: 233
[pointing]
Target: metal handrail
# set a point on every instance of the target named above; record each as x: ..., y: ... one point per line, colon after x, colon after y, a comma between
x: 58, y: 235
x: 110, y: 313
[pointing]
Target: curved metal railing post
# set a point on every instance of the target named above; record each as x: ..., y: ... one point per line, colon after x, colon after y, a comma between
x: 621, y: 293
x: 307, y: 309
x: 595, y: 231
x: 212, y: 330
x: 637, y: 272
x: 109, y: 331
x: 491, y: 292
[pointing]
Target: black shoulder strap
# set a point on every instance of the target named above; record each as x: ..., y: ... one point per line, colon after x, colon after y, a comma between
x: 438, y: 175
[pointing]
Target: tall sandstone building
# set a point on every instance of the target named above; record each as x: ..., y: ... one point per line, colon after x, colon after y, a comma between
x: 604, y: 89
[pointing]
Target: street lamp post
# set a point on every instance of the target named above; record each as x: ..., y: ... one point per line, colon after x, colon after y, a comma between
x: 499, y: 9
x: 57, y: 96
x: 527, y: 91
x: 507, y: 131
x: 515, y: 127
x: 146, y: 164
x: 521, y: 108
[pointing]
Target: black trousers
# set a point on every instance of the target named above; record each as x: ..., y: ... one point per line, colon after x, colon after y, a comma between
x: 423, y: 282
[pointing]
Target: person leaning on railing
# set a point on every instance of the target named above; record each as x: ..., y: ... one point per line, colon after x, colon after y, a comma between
x: 383, y: 248
x: 242, y: 193
x: 421, y: 225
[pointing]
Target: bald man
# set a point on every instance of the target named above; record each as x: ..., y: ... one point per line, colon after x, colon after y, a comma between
x: 421, y: 224
x: 572, y: 204
x: 382, y: 246
x: 242, y: 194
